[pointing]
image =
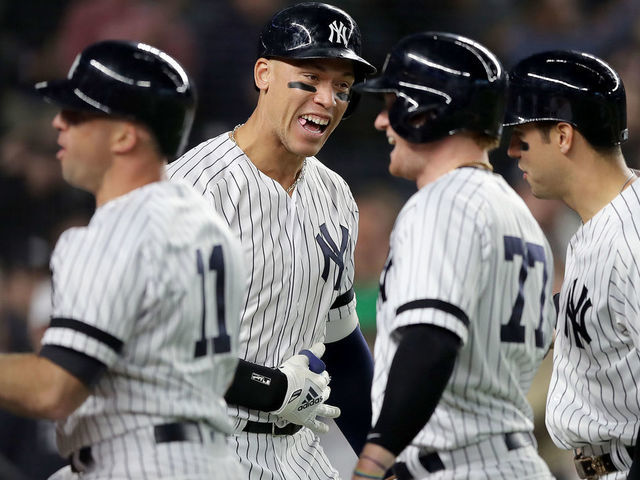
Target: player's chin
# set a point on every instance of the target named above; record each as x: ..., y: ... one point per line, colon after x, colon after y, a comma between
x: 397, y: 171
x: 538, y: 191
x: 308, y: 148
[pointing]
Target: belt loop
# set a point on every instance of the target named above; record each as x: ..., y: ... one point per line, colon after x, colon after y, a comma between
x: 81, y: 460
x: 401, y: 471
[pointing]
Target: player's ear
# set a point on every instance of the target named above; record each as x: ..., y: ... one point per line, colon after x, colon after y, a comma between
x: 565, y: 133
x: 124, y: 137
x: 262, y: 73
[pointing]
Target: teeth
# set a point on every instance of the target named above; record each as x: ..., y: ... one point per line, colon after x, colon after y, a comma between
x: 316, y: 119
x: 391, y: 140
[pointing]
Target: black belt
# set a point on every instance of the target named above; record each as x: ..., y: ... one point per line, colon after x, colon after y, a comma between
x: 596, y: 466
x: 271, y: 428
x: 82, y: 460
x: 433, y: 463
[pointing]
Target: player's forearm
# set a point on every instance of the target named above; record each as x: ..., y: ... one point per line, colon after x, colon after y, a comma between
x: 257, y: 387
x: 374, y: 461
x: 35, y: 387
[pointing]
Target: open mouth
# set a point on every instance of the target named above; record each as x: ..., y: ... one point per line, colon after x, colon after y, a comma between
x: 313, y: 123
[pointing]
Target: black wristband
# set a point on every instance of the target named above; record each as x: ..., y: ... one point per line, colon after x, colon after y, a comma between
x: 258, y: 387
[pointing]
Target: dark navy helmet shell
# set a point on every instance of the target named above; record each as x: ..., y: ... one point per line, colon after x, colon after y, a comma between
x: 315, y: 30
x: 130, y: 80
x: 444, y: 84
x: 573, y: 87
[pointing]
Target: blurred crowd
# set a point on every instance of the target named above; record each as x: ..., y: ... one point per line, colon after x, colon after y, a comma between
x: 216, y: 42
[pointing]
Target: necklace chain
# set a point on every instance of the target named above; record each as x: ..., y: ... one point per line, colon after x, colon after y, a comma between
x: 631, y: 176
x: 233, y: 133
x: 483, y: 165
x: 300, y: 173
x: 299, y: 177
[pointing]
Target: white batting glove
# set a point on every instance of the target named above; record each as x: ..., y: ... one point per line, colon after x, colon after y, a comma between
x: 306, y: 392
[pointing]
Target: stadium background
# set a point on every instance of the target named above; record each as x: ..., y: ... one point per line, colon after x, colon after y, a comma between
x: 216, y: 41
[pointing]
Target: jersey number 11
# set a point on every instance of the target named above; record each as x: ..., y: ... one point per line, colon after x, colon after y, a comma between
x: 222, y: 342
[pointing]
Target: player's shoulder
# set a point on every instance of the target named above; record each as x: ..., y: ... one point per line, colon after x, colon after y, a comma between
x: 626, y: 208
x: 323, y: 178
x: 458, y: 187
x: 119, y: 225
x: 205, y: 161
x: 471, y: 195
x: 616, y: 226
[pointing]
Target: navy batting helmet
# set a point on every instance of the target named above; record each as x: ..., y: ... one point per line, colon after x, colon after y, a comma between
x: 572, y: 87
x: 444, y: 84
x: 130, y: 80
x: 315, y: 30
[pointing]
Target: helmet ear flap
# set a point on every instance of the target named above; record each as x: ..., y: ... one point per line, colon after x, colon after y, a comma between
x: 353, y: 103
x: 415, y: 123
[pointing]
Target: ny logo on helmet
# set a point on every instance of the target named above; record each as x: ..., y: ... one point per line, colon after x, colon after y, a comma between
x: 340, y: 31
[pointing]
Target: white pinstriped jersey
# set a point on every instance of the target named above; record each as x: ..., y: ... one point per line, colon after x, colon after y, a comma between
x: 138, y: 289
x: 593, y: 394
x: 299, y: 249
x: 467, y: 255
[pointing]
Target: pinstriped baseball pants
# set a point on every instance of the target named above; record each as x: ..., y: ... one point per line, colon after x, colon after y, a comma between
x: 487, y: 460
x: 282, y: 457
x: 136, y: 455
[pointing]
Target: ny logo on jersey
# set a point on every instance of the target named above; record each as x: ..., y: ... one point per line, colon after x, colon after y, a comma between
x: 573, y: 311
x: 383, y: 279
x: 340, y: 32
x: 331, y: 251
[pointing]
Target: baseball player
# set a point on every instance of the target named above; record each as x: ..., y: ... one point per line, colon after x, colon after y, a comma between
x: 143, y: 338
x: 569, y: 112
x: 298, y: 225
x: 464, y: 313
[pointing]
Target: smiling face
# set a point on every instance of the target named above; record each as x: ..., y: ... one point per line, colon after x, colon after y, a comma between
x: 406, y: 159
x: 304, y: 100
x: 539, y: 159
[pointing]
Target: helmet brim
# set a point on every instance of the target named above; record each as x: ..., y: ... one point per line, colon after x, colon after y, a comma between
x: 377, y: 85
x: 322, y: 53
x: 66, y: 94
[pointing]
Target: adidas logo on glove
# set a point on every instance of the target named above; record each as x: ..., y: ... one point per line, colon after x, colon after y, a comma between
x: 312, y: 399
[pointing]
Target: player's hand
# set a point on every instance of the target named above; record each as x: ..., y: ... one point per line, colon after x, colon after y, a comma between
x: 307, y: 390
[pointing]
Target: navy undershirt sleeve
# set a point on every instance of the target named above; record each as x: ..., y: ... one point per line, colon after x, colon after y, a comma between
x: 419, y: 373
x: 350, y: 365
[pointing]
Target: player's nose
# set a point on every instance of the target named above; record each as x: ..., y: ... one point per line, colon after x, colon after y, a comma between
x: 514, y: 151
x: 325, y: 95
x: 58, y: 122
x: 382, y: 120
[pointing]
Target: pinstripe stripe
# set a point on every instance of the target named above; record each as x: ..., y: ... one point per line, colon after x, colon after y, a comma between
x: 448, y: 267
x: 593, y: 395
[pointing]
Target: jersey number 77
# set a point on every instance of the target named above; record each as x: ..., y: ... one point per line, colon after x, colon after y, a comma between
x: 531, y: 253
